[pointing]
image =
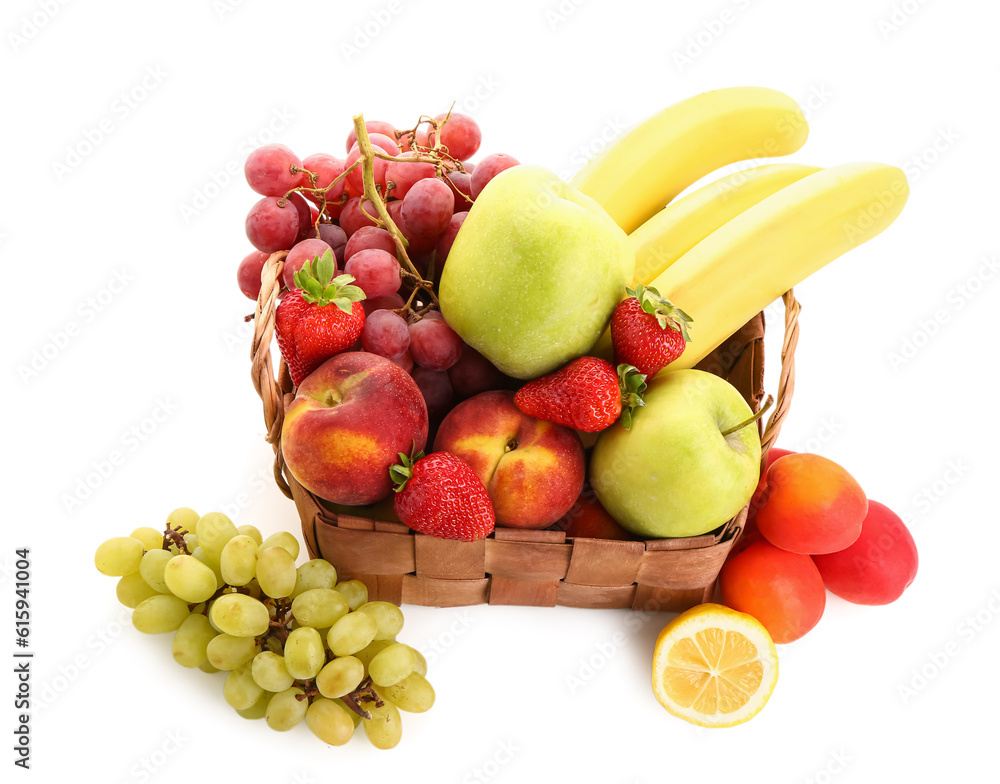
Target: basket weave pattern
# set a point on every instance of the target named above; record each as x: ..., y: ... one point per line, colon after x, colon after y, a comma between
x: 514, y: 566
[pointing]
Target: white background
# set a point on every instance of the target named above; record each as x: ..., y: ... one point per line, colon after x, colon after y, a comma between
x: 895, y: 369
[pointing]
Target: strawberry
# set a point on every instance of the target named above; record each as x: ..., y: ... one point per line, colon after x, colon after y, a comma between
x: 441, y: 495
x: 648, y: 330
x: 588, y: 394
x: 322, y: 318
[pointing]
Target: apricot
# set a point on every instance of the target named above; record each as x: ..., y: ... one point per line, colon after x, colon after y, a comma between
x: 811, y: 505
x: 878, y: 567
x: 782, y: 590
x: 750, y: 532
x: 588, y: 519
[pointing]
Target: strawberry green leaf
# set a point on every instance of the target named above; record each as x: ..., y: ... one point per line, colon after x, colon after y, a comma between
x: 632, y: 385
x: 326, y: 267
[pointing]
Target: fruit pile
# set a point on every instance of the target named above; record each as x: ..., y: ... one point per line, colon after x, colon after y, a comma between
x: 811, y: 528
x: 476, y: 344
x: 297, y: 644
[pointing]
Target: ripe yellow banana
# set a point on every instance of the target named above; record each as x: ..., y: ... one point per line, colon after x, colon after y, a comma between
x: 757, y: 256
x: 636, y: 176
x: 682, y: 224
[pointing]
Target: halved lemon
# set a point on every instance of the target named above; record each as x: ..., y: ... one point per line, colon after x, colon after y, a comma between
x: 714, y: 666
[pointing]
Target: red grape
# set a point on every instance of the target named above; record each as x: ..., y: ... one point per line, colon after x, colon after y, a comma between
x: 336, y: 238
x: 272, y: 224
x: 474, y: 373
x: 418, y: 245
x: 327, y: 168
x: 434, y: 344
x: 356, y: 177
x: 248, y: 273
x: 304, y: 209
x: 268, y: 170
x: 352, y: 218
x: 403, y: 175
x: 372, y: 126
x: 385, y: 333
x: 428, y: 206
x: 391, y: 302
x: 368, y: 237
x: 375, y: 272
x: 405, y: 361
x: 447, y: 238
x: 461, y: 186
x: 460, y: 134
x: 437, y: 391
x: 302, y: 252
x: 433, y: 315
x: 488, y: 168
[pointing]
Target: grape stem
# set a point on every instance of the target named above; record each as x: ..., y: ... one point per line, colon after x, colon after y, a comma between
x: 175, y: 536
x: 364, y: 693
x: 372, y: 194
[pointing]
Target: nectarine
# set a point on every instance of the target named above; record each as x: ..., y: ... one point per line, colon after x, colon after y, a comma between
x: 878, y: 567
x: 782, y: 590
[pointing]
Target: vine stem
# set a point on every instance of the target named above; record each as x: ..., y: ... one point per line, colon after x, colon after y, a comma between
x: 372, y: 195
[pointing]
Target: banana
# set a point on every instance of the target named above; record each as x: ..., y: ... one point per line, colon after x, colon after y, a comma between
x: 636, y: 176
x: 682, y: 224
x: 757, y: 256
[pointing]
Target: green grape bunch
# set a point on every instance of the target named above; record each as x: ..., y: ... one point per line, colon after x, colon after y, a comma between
x: 297, y: 644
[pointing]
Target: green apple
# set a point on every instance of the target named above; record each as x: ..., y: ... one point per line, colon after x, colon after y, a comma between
x: 677, y: 471
x: 535, y: 273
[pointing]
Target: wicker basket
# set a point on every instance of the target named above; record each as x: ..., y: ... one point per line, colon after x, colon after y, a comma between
x: 513, y: 566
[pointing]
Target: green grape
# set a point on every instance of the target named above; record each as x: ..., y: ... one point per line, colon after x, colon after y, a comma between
x: 191, y: 641
x: 240, y: 689
x: 118, y: 556
x: 355, y: 591
x: 329, y: 722
x: 340, y: 676
x: 351, y: 633
x: 240, y: 615
x: 270, y: 672
x: 413, y: 694
x: 259, y: 709
x: 304, y: 653
x: 284, y: 540
x: 392, y: 664
x: 285, y: 710
x: 183, y: 517
x: 355, y: 717
x: 132, y: 589
x: 214, y: 530
x: 421, y: 665
x: 151, y: 538
x: 275, y: 571
x: 207, y: 667
x: 226, y: 652
x: 252, y: 589
x: 316, y: 573
x: 151, y: 568
x: 252, y: 532
x: 191, y: 542
x: 189, y: 579
x: 238, y: 562
x: 319, y: 607
x: 366, y: 654
x: 212, y: 563
x: 159, y: 614
x: 388, y: 617
x: 384, y: 728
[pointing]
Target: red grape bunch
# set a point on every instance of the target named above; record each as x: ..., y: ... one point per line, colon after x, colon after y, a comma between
x: 392, y: 235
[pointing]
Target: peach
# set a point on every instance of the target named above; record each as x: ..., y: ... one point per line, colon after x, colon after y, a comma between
x: 350, y: 419
x: 811, y: 505
x: 533, y: 470
x: 782, y: 590
x: 878, y: 567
